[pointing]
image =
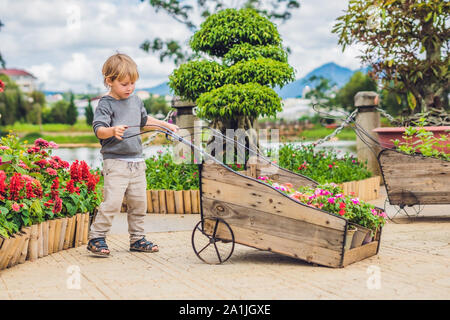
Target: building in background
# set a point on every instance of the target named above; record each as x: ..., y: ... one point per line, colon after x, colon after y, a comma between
x: 25, y: 80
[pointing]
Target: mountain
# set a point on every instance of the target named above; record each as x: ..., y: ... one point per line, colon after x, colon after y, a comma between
x: 337, y: 74
x: 162, y: 89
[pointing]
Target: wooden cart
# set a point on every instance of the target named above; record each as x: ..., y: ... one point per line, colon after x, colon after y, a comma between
x: 412, y: 179
x: 238, y: 208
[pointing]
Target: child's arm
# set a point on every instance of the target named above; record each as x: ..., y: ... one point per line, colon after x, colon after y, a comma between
x: 153, y: 123
x: 105, y: 133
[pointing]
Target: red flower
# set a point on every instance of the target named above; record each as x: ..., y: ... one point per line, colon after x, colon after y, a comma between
x: 92, y: 182
x: 2, y: 86
x: 54, y: 188
x: 58, y: 205
x: 37, y: 188
x: 48, y: 203
x: 341, y: 205
x: 34, y: 149
x: 74, y: 172
x: 39, y: 142
x: 53, y: 164
x: 15, y: 185
x: 70, y: 186
x: 30, y: 190
x: 51, y: 172
x: 41, y: 163
x: 85, y: 171
x: 342, y: 212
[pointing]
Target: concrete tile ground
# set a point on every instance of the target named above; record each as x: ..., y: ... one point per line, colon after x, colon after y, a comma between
x: 413, y: 263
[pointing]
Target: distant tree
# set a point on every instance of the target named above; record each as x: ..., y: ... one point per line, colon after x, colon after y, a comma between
x: 406, y: 42
x: 183, y: 12
x: 72, y: 112
x: 89, y: 112
x: 2, y: 61
x: 59, y: 112
x: 156, y: 105
x: 14, y: 105
x: 359, y: 81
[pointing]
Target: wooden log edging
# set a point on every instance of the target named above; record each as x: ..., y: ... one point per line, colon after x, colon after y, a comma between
x: 171, y: 202
x: 42, y: 239
x: 366, y: 190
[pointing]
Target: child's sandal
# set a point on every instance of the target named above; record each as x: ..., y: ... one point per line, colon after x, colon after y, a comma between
x: 144, y: 246
x: 96, y: 246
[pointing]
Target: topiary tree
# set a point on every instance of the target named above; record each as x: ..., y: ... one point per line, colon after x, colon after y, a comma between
x: 246, y: 61
x: 186, y: 12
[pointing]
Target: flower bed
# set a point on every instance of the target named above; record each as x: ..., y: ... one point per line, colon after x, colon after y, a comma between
x: 41, y: 198
x: 326, y: 167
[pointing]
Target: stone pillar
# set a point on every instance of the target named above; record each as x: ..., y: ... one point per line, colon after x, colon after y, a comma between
x: 186, y: 121
x: 368, y: 118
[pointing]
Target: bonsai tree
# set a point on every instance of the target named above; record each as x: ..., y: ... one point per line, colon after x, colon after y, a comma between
x: 186, y: 13
x: 407, y: 43
x: 234, y: 85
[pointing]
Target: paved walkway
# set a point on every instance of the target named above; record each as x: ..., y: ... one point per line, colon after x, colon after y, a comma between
x: 413, y: 263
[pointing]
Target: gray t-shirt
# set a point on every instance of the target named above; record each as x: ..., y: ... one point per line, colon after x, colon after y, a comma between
x: 111, y: 112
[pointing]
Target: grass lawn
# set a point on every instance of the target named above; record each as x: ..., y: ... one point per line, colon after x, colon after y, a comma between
x: 80, y: 126
x: 322, y: 132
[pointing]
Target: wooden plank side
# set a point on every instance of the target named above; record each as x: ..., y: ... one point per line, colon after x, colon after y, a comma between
x: 251, y: 194
x: 275, y: 225
x: 360, y: 253
x: 414, y: 179
x: 287, y: 247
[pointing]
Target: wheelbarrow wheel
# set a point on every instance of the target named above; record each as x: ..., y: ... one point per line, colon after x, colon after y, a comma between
x: 213, y: 240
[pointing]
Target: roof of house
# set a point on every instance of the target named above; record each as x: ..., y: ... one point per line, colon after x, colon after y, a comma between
x: 16, y: 72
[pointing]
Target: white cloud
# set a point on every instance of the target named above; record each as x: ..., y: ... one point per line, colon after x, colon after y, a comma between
x: 65, y: 43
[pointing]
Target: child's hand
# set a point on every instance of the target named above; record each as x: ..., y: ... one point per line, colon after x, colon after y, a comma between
x: 118, y: 131
x: 172, y: 127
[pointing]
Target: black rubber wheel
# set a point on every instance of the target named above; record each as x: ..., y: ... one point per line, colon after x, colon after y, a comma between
x: 213, y: 240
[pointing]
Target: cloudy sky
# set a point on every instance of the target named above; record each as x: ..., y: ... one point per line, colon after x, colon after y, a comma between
x: 64, y: 43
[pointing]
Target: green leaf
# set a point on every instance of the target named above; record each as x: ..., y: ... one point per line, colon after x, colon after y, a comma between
x: 412, y: 103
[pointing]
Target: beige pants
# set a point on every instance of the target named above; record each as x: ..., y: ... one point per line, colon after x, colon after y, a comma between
x: 122, y: 178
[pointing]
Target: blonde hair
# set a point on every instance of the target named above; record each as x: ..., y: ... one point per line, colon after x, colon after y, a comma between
x: 119, y: 66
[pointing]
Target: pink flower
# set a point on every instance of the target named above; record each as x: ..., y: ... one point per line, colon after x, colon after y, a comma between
x: 331, y: 200
x: 51, y: 172
x: 53, y: 145
x: 15, y: 207
x: 4, y: 148
x: 39, y: 142
x: 355, y: 201
x: 330, y: 166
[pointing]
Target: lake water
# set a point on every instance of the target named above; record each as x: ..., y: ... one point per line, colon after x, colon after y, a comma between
x: 93, y: 157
